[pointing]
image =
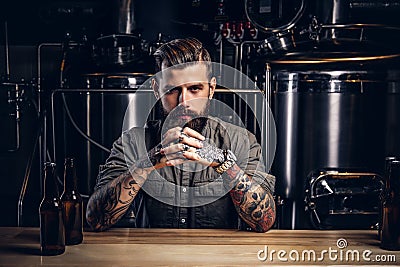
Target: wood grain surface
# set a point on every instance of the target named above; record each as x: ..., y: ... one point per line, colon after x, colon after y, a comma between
x: 195, y: 247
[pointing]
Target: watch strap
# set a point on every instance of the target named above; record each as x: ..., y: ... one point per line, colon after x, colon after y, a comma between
x: 229, y: 161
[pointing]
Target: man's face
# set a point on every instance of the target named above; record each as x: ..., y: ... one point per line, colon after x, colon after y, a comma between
x: 185, y: 92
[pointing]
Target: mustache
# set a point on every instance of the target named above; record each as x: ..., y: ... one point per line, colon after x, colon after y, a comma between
x: 196, y: 122
x: 182, y: 111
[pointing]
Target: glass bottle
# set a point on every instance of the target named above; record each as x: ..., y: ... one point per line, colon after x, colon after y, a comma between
x: 383, y: 194
x: 72, y: 205
x: 52, y: 239
x: 390, y: 237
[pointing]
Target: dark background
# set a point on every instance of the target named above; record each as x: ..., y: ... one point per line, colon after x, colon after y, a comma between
x: 31, y: 24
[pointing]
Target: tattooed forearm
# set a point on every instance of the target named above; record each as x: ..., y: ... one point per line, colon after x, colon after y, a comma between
x: 254, y: 204
x: 108, y: 204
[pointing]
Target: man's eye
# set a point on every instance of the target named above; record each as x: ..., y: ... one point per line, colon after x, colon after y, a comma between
x: 194, y: 89
x: 172, y: 91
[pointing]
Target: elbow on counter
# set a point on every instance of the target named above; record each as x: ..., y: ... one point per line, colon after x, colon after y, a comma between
x: 95, y: 220
x: 265, y: 226
x: 266, y: 217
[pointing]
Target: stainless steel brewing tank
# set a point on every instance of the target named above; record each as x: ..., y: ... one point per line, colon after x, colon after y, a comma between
x: 333, y: 118
x: 116, y: 103
x: 98, y: 110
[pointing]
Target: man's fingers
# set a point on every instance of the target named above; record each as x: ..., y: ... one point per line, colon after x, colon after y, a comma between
x: 175, y: 158
x: 172, y: 149
x: 171, y: 136
x: 175, y: 162
x: 192, y: 133
x: 185, y: 136
x: 192, y: 142
x: 180, y: 157
x: 181, y: 147
x: 191, y: 155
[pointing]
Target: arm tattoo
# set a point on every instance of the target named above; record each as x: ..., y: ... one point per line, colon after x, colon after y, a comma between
x: 254, y: 204
x: 108, y: 204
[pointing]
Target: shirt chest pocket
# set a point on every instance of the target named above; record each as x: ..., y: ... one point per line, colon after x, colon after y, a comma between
x: 210, y: 189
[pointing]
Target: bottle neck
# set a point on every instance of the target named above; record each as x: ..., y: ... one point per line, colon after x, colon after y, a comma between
x: 50, y: 184
x: 70, y: 179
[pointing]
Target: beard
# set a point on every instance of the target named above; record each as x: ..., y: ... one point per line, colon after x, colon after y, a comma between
x: 183, y: 117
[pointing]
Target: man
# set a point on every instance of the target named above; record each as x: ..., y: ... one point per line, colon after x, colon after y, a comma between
x: 189, y: 170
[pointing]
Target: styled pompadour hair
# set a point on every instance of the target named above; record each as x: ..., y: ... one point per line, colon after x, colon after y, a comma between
x: 180, y: 51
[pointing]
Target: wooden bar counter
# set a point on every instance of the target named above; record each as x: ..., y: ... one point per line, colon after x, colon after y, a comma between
x: 178, y: 247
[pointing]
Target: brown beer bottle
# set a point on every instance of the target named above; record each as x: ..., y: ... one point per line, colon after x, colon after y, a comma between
x: 382, y: 196
x: 390, y: 238
x: 52, y: 240
x: 72, y: 203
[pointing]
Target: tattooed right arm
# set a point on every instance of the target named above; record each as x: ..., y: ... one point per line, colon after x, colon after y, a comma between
x: 109, y: 203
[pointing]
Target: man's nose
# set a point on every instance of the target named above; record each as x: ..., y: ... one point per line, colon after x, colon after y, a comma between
x: 184, y: 97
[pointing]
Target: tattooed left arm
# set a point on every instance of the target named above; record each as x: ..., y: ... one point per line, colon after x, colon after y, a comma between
x: 254, y: 204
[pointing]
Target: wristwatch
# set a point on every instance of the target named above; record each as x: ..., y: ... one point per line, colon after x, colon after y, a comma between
x: 229, y: 161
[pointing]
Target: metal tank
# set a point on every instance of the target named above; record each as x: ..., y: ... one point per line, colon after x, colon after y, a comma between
x: 327, y: 119
x: 88, y: 120
x: 90, y: 108
x: 335, y: 99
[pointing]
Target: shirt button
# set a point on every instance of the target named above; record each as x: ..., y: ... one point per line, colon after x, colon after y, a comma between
x: 184, y: 189
x: 183, y: 220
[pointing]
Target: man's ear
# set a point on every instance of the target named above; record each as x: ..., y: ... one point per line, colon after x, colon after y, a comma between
x: 155, y: 86
x: 213, y: 84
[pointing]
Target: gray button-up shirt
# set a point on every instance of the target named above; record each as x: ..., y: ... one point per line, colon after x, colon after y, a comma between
x: 189, y: 195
